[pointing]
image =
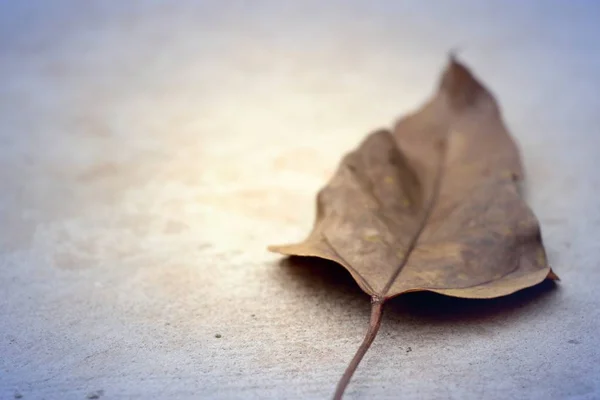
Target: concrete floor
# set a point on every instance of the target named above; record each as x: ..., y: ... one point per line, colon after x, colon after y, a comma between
x: 149, y: 151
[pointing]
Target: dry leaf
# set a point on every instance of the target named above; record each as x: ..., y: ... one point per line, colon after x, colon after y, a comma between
x: 433, y: 205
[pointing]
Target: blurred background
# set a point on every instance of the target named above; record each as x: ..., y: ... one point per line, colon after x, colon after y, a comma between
x: 150, y: 150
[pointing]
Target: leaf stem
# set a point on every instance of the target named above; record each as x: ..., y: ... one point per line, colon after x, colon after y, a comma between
x: 374, y: 324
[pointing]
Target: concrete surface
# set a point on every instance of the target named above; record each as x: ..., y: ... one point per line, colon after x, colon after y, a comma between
x: 151, y: 150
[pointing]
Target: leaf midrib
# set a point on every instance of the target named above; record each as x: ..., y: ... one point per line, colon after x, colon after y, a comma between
x: 428, y: 211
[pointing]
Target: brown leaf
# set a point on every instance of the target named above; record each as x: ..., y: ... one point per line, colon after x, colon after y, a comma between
x: 433, y: 205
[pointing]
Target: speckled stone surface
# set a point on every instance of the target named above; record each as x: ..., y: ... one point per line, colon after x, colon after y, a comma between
x: 150, y: 151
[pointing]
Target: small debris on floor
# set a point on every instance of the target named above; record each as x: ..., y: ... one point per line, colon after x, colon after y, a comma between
x: 218, y: 336
x: 95, y: 395
x: 409, y: 349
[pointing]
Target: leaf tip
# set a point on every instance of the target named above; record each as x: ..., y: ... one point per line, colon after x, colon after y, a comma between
x: 551, y: 275
x: 274, y: 248
x: 452, y: 54
x: 459, y: 83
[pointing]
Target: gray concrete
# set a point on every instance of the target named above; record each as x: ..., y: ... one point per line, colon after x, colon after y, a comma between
x: 150, y: 151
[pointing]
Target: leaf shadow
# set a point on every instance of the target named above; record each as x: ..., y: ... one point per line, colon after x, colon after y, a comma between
x: 330, y: 282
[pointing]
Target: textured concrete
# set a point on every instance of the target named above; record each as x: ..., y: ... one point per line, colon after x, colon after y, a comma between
x: 150, y: 151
